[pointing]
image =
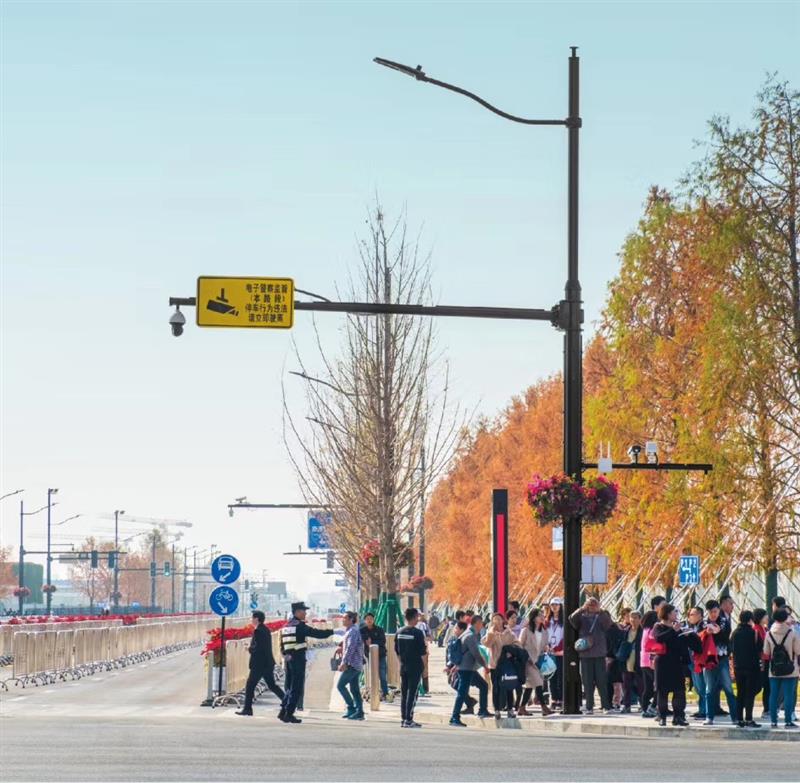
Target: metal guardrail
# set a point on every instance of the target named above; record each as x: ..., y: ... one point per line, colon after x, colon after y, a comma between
x: 45, y: 657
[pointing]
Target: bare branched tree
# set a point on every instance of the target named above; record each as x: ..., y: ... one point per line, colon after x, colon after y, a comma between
x: 378, y: 405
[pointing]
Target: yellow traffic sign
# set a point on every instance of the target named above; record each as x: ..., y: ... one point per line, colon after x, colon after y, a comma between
x: 261, y: 302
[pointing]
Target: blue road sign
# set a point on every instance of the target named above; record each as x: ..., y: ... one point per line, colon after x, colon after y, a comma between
x: 318, y: 522
x: 223, y: 601
x: 254, y: 604
x: 689, y: 570
x: 342, y: 608
x: 225, y: 569
x: 340, y: 583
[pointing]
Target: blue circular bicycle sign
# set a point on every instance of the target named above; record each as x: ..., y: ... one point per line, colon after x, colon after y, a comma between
x: 226, y: 569
x: 223, y: 601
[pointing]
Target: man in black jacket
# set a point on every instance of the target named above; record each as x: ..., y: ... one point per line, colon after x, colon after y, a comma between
x: 374, y: 634
x: 262, y: 663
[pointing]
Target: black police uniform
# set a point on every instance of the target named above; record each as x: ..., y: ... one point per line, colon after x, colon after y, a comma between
x: 409, y: 644
x: 262, y: 665
x: 293, y: 649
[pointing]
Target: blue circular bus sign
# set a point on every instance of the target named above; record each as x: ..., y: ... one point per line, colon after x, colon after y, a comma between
x: 226, y: 569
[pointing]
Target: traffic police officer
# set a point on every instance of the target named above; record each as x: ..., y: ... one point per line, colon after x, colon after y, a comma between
x: 293, y: 649
x: 410, y: 646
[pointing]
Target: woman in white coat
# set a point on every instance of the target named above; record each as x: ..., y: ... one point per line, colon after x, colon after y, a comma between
x: 533, y: 638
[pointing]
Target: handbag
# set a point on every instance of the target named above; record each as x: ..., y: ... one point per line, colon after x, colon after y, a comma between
x: 546, y: 665
x: 585, y: 642
x: 336, y: 660
x: 509, y: 678
x: 624, y: 651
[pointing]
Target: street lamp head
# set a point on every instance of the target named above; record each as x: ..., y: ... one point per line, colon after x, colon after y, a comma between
x: 417, y: 72
x: 52, y: 491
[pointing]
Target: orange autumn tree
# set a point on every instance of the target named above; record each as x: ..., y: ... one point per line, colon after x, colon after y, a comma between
x: 504, y: 453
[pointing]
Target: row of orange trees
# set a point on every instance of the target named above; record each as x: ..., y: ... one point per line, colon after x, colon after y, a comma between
x: 699, y: 349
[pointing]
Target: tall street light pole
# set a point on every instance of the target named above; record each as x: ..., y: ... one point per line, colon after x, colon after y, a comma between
x: 568, y: 318
x: 50, y: 493
x: 117, y: 515
x: 153, y: 569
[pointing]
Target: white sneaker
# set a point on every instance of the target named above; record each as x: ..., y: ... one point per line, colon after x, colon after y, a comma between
x: 588, y: 712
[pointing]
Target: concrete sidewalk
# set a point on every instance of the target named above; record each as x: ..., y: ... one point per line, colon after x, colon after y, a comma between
x: 437, y: 708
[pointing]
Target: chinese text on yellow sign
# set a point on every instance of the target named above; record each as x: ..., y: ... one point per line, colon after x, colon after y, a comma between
x: 264, y: 302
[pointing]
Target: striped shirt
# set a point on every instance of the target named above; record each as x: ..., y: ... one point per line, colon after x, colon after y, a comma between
x: 353, y: 648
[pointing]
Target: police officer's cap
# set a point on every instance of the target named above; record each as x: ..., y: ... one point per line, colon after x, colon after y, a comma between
x: 299, y: 605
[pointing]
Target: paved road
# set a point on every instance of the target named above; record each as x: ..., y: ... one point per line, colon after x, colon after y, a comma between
x: 145, y: 724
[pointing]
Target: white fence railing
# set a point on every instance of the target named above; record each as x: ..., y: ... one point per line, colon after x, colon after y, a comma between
x: 47, y: 655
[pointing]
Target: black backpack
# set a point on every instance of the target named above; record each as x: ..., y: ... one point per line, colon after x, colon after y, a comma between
x: 455, y: 652
x: 780, y: 664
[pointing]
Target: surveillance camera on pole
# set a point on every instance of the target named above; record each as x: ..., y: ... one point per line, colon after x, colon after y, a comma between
x: 177, y: 321
x: 634, y: 452
x: 651, y: 450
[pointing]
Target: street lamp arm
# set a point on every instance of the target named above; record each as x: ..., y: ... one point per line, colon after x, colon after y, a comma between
x: 421, y: 76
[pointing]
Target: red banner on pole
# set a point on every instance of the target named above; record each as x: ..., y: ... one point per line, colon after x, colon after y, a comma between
x: 500, y: 550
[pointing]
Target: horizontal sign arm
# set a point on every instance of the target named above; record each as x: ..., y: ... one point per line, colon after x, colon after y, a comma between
x: 380, y: 308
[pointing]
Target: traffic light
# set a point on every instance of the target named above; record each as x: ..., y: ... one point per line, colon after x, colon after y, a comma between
x: 246, y: 584
x: 152, y: 569
x: 112, y: 559
x: 166, y: 568
x: 329, y: 563
x: 95, y: 558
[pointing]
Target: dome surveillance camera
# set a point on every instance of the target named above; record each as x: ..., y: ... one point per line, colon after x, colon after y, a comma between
x: 177, y: 321
x: 634, y: 452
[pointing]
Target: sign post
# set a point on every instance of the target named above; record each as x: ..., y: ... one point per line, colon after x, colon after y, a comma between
x: 500, y: 550
x: 224, y: 600
x: 689, y: 571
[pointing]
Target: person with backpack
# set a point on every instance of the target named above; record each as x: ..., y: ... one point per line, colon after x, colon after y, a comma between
x: 782, y: 645
x: 498, y: 637
x: 453, y: 657
x: 469, y: 663
x: 746, y: 646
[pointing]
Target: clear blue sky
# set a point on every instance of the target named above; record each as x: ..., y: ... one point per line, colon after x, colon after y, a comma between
x: 146, y: 143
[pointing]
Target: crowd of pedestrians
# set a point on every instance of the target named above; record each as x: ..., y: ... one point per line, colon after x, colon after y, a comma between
x: 634, y: 662
x: 637, y: 661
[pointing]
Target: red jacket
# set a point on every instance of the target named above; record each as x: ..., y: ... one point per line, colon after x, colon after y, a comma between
x: 707, y: 658
x: 762, y: 635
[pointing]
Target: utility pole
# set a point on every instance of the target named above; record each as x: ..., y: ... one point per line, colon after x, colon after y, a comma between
x: 185, y: 574
x: 422, y: 530
x: 21, y: 574
x: 572, y: 320
x: 50, y: 493
x: 116, y: 559
x: 172, y: 571
x: 153, y: 574
x: 194, y: 583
